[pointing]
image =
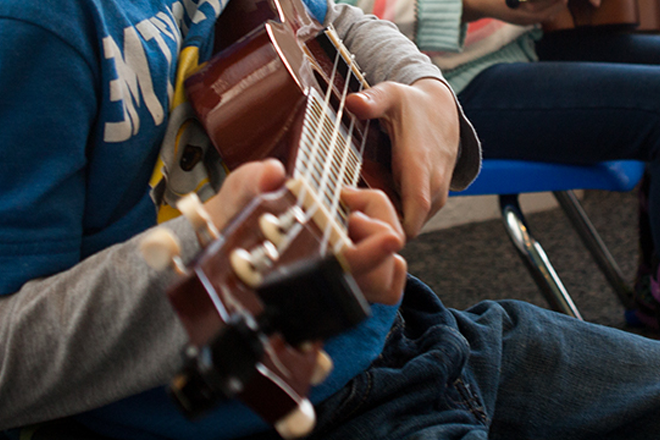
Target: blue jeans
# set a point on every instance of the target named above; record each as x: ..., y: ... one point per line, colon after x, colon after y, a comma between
x: 575, y: 112
x: 500, y: 370
x: 506, y: 370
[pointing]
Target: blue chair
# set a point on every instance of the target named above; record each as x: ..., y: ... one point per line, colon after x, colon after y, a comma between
x: 510, y: 178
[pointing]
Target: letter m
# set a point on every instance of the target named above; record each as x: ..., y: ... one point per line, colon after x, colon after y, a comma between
x: 133, y: 80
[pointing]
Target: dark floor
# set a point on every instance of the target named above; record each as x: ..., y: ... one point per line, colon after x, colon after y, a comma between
x: 466, y: 264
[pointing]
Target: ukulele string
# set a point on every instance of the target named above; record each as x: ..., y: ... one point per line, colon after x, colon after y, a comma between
x: 331, y: 168
x: 313, y: 160
x: 345, y: 177
x: 330, y: 161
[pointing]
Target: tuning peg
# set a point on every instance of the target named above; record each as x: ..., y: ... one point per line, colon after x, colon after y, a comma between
x: 298, y: 422
x: 275, y: 228
x: 193, y: 210
x: 272, y: 228
x: 323, y: 368
x: 161, y: 249
x: 249, y: 266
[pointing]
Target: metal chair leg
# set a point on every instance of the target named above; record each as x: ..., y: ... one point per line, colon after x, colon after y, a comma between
x: 535, y: 258
x: 593, y: 242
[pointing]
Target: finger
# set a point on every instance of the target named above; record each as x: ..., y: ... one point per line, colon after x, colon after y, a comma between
x: 271, y: 176
x: 385, y: 284
x: 254, y: 178
x: 362, y: 228
x: 371, y: 252
x: 374, y: 204
x: 372, y: 103
x: 414, y: 172
x: 398, y: 282
x: 243, y: 185
x: 417, y: 201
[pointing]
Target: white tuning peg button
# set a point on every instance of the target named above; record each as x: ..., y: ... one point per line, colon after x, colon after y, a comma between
x: 248, y: 266
x: 323, y: 368
x: 244, y: 268
x: 193, y: 210
x: 298, y: 422
x: 271, y: 227
x: 275, y: 228
x: 160, y: 249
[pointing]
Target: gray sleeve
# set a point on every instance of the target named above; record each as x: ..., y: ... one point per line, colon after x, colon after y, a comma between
x: 99, y: 332
x: 104, y: 330
x: 386, y: 54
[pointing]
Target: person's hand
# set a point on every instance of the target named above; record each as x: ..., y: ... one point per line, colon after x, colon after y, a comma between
x: 373, y: 226
x: 527, y: 13
x: 241, y: 186
x: 423, y: 125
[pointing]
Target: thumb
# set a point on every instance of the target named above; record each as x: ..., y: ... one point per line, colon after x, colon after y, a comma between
x: 241, y: 186
x: 372, y: 103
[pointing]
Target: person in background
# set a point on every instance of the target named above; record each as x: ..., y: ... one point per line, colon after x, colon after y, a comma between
x: 526, y: 102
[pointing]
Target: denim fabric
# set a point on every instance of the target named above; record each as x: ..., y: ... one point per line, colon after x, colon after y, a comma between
x: 575, y: 112
x: 500, y: 370
x: 595, y: 45
x: 505, y: 370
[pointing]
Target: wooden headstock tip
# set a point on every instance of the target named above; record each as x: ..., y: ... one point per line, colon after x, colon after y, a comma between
x: 323, y: 368
x: 298, y: 422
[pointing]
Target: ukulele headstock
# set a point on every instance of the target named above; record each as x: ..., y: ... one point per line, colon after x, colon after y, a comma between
x: 257, y: 303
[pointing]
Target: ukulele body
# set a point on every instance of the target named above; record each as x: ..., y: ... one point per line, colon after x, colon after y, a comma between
x: 270, y: 91
x: 611, y: 14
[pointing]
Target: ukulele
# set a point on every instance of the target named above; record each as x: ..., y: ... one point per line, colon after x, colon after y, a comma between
x: 267, y: 290
x: 611, y: 14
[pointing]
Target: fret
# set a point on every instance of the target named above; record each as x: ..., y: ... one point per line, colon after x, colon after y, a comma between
x: 327, y: 165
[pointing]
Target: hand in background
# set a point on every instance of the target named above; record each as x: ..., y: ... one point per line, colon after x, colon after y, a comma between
x: 527, y: 13
x: 423, y: 125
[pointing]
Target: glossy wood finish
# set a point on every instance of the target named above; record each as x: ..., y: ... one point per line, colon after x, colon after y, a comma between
x: 616, y: 14
x: 649, y: 16
x: 251, y: 99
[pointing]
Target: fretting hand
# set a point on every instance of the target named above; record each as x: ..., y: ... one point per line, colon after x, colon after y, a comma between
x: 422, y: 122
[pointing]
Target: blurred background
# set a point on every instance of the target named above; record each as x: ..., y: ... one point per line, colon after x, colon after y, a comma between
x: 467, y: 263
